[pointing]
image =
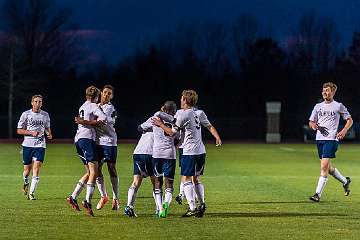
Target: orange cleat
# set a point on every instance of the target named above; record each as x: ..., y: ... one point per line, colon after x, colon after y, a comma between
x: 102, y: 202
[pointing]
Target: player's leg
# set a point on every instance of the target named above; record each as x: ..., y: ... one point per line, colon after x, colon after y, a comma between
x: 179, y: 198
x: 133, y: 189
x: 38, y: 158
x: 72, y: 199
x: 169, y: 173
x: 157, y: 164
x: 198, y: 186
x: 187, y: 172
x: 27, y: 163
x: 111, y: 164
x: 101, y: 153
x: 324, y: 170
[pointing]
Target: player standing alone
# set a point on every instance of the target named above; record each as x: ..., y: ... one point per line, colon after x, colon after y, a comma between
x: 34, y: 124
x: 324, y: 120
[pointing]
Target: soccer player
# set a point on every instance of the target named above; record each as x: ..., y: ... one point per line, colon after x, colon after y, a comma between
x: 90, y: 116
x: 164, y: 158
x: 34, y: 124
x: 324, y: 120
x: 142, y: 159
x: 198, y: 186
x: 193, y: 159
x: 106, y: 141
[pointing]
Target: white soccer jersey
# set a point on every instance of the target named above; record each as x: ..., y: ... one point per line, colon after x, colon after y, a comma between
x: 163, y: 143
x: 89, y: 111
x: 189, y: 121
x: 328, y: 115
x: 146, y: 142
x: 106, y: 134
x: 33, y: 121
x: 204, y: 121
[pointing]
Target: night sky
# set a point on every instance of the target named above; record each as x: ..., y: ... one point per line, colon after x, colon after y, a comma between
x: 118, y: 26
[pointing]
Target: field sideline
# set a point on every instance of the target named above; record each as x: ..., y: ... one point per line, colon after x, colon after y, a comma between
x: 253, y: 191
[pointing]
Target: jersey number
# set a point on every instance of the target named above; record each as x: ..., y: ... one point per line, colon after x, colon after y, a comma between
x: 197, y: 122
x: 81, y: 113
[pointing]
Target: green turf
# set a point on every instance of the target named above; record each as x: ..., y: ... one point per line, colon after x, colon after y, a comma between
x: 253, y: 191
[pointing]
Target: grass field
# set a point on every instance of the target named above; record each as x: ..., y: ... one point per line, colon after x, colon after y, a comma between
x: 253, y: 191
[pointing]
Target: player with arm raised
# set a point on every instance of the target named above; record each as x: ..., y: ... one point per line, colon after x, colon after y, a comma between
x: 34, y: 124
x: 324, y: 120
x: 90, y: 116
x: 106, y: 141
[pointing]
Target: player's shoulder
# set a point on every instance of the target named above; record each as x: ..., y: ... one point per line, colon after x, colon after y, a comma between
x: 27, y: 112
x: 44, y: 113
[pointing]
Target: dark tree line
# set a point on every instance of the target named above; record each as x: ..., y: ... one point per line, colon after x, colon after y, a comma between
x: 234, y: 68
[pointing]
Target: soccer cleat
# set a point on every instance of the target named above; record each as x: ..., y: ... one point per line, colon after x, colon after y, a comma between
x: 88, y: 208
x: 129, y: 211
x: 315, y: 198
x: 165, y: 211
x: 201, y: 210
x: 178, y: 199
x: 115, y: 204
x: 346, y: 186
x: 73, y: 203
x: 102, y: 202
x: 31, y: 196
x: 26, y: 188
x: 189, y: 213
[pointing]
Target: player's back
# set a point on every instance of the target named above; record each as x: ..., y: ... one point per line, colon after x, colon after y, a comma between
x: 190, y: 123
x: 88, y: 111
x: 163, y: 143
x: 146, y: 141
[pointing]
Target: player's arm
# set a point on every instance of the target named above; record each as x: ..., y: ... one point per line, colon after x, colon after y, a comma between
x: 170, y: 131
x: 91, y: 123
x: 313, y: 125
x: 25, y: 132
x: 340, y: 135
x: 48, y: 133
x: 215, y: 134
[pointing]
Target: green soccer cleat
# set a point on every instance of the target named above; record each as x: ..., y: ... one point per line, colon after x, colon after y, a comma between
x: 165, y: 211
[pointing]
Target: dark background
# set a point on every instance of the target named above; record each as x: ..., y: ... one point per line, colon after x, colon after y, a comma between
x: 236, y: 55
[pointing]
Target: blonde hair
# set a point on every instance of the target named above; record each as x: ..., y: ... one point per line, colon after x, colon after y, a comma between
x: 92, y: 92
x: 331, y: 85
x: 36, y: 96
x: 190, y: 97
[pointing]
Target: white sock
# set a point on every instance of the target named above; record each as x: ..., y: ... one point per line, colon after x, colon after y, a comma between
x: 158, y: 198
x: 101, y: 186
x: 189, y: 194
x: 115, y: 187
x: 26, y: 179
x: 181, y: 190
x: 200, y: 193
x: 34, y: 183
x: 168, y: 195
x: 337, y: 175
x: 321, y: 185
x: 131, y: 196
x: 78, y: 189
x: 157, y: 207
x: 90, y: 188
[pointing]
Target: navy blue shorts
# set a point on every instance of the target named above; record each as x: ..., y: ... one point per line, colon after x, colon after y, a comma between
x: 106, y: 153
x: 164, y: 167
x: 86, y: 148
x: 193, y: 165
x: 143, y: 165
x: 180, y: 155
x: 31, y: 154
x: 327, y: 148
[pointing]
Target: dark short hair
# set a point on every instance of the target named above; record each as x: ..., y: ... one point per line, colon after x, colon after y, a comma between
x: 109, y: 87
x: 92, y: 92
x: 170, y: 107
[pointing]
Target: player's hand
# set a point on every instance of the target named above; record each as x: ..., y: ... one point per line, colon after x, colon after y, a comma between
x: 340, y: 135
x: 79, y: 120
x: 314, y: 126
x: 34, y: 133
x: 156, y: 121
x: 49, y: 136
x: 218, y: 142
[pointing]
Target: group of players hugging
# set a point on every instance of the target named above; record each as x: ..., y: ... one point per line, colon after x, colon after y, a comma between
x: 154, y: 155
